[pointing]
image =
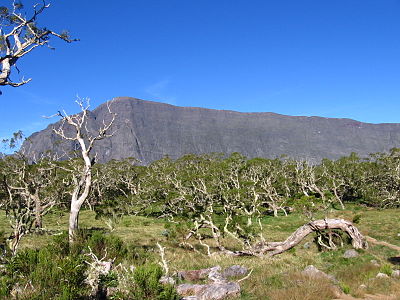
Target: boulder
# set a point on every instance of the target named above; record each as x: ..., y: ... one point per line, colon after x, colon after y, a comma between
x: 350, y: 253
x: 375, y: 263
x: 195, y: 275
x: 234, y: 271
x: 382, y: 275
x: 313, y: 272
x: 218, y: 287
x: 396, y: 274
x: 219, y: 291
x: 189, y: 289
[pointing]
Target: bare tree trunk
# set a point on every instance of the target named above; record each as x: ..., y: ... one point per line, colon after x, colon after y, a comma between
x: 73, y: 221
x: 337, y: 196
x: 38, y: 212
x: 357, y: 239
x: 274, y: 248
x: 13, y: 242
x: 82, y: 176
x: 79, y: 197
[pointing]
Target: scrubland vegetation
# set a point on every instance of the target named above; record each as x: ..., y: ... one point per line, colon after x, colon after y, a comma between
x: 199, y: 208
x: 139, y: 224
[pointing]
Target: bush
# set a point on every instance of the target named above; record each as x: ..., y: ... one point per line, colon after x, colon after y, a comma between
x: 49, y: 275
x: 59, y: 271
x: 147, y: 285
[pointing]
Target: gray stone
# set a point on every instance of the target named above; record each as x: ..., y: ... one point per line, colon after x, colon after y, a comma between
x: 216, y: 276
x: 313, y: 272
x: 350, y: 253
x: 167, y: 280
x: 307, y: 245
x: 396, y: 274
x: 375, y: 262
x: 235, y: 271
x: 219, y: 291
x: 382, y: 275
x: 189, y: 289
x: 195, y: 275
x: 215, y: 291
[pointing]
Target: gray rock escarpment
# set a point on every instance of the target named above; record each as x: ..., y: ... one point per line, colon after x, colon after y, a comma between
x: 149, y: 131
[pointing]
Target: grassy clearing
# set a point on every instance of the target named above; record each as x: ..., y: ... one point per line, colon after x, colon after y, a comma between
x: 272, y: 278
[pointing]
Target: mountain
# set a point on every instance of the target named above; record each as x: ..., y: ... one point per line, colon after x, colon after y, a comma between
x: 150, y: 130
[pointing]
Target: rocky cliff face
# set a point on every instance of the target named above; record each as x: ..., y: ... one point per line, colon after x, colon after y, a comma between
x: 150, y: 130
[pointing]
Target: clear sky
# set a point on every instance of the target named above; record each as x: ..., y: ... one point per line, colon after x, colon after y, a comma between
x: 338, y: 58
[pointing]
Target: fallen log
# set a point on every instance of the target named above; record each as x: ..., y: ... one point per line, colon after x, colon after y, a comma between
x: 273, y: 248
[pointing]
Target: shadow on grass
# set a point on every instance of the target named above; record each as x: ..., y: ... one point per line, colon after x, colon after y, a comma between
x: 394, y: 260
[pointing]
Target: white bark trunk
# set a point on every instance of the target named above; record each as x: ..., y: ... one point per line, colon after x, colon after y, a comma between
x: 274, y: 248
x: 73, y: 221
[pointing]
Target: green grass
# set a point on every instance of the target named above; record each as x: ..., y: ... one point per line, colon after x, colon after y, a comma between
x: 272, y: 278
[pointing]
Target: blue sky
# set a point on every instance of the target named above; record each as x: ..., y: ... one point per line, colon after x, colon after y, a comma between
x: 298, y: 57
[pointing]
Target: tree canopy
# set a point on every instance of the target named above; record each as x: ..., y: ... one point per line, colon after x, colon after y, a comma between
x: 20, y: 33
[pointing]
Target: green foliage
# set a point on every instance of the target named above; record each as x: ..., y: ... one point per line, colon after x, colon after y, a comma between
x: 4, y: 249
x: 357, y: 218
x: 59, y: 270
x: 147, y: 285
x: 386, y: 269
x: 345, y: 288
x: 51, y: 276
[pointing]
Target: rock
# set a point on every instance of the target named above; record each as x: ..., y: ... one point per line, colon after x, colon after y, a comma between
x: 307, y: 245
x: 216, y: 276
x: 219, y: 291
x: 381, y: 275
x: 375, y: 262
x: 167, y: 280
x: 189, y: 289
x: 174, y: 131
x: 235, y: 271
x: 396, y: 274
x: 195, y: 275
x: 350, y: 253
x: 312, y: 271
x: 362, y: 286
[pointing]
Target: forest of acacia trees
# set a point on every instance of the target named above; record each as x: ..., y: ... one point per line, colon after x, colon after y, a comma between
x: 226, y: 194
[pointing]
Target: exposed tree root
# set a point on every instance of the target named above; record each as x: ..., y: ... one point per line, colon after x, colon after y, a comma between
x: 274, y: 248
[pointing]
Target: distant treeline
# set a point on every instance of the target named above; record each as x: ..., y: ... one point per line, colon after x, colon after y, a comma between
x: 202, y: 195
x: 171, y: 187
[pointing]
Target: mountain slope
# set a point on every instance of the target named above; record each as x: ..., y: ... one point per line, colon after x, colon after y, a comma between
x: 150, y: 130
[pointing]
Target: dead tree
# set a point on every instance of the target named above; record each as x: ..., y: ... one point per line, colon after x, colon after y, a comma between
x: 264, y: 248
x: 82, y: 177
x: 273, y: 248
x: 19, y: 35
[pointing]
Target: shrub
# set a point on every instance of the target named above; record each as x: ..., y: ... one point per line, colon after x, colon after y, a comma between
x: 49, y: 275
x: 386, y: 269
x: 147, y: 285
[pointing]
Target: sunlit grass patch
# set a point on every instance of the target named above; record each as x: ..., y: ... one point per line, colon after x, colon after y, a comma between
x: 273, y: 278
